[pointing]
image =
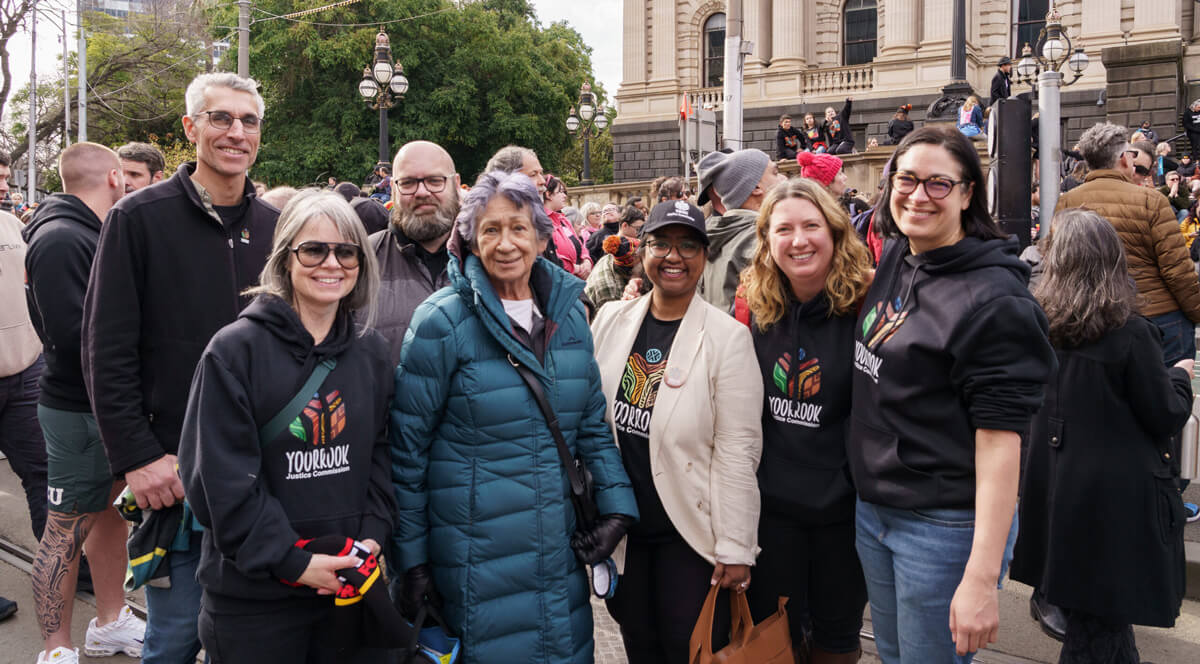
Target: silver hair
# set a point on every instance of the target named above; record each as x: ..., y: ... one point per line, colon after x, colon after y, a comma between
x: 1102, y: 145
x: 1085, y: 289
x: 509, y: 158
x: 304, y: 207
x: 589, y: 208
x: 514, y: 186
x: 197, y: 90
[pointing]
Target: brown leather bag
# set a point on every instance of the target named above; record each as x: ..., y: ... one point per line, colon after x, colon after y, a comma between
x: 768, y: 642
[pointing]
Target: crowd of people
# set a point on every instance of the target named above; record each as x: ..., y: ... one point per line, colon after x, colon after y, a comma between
x: 510, y: 404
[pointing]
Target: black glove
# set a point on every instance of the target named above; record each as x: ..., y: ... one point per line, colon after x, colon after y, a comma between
x: 598, y: 543
x: 418, y: 588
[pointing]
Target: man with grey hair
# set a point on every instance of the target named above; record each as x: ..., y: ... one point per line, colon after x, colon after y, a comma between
x: 1157, y: 255
x: 736, y: 183
x: 143, y: 164
x: 170, y: 266
x: 511, y: 158
x: 412, y: 250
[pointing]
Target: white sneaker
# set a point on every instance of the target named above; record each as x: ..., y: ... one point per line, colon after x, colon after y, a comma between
x: 59, y: 655
x: 124, y: 634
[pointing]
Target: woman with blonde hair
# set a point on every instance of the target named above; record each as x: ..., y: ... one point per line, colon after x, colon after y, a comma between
x: 802, y: 291
x: 970, y: 119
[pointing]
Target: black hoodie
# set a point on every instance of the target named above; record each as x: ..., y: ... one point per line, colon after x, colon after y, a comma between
x: 806, y: 359
x: 62, y: 240
x: 788, y: 142
x: 948, y: 341
x: 327, y: 474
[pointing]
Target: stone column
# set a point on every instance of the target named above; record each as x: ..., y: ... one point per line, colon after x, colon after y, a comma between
x: 751, y: 19
x: 939, y: 21
x: 633, y: 42
x: 1154, y: 15
x: 900, y: 27
x: 664, y: 47
x: 787, y: 33
x: 763, y: 49
x: 1101, y: 20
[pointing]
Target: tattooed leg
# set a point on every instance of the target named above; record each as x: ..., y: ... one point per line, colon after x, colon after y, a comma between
x: 55, y: 571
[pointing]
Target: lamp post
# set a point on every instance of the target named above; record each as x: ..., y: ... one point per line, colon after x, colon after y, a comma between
x: 590, y: 121
x: 1039, y: 67
x: 382, y: 85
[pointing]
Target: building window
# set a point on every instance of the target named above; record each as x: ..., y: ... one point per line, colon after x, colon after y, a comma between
x: 714, y: 51
x: 1029, y: 19
x: 860, y: 32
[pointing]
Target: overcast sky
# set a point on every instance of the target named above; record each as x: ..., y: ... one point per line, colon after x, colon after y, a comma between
x: 599, y: 21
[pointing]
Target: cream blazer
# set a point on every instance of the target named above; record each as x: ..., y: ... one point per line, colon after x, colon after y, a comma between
x: 706, y: 427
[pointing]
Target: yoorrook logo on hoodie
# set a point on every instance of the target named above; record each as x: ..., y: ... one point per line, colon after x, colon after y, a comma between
x: 321, y: 422
x: 799, y: 380
x: 639, y: 386
x: 878, y: 326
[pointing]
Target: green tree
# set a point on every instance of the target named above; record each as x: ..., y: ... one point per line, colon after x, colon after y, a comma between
x: 481, y: 76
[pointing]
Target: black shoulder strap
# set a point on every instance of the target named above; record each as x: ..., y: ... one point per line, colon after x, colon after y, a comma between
x: 579, y: 495
x: 280, y: 422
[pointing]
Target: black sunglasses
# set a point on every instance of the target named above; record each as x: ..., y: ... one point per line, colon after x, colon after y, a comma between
x: 312, y: 253
x: 1141, y: 170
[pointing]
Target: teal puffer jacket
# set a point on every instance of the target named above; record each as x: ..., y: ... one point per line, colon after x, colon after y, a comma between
x: 483, y: 496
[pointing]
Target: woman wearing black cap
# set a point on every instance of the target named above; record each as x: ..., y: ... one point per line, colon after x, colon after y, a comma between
x: 676, y: 376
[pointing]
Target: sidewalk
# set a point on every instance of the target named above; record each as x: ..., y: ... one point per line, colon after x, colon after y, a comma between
x: 1021, y: 642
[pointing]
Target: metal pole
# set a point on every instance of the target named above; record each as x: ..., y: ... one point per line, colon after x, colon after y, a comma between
x: 384, y: 158
x: 958, y: 43
x: 66, y: 87
x: 733, y: 75
x: 31, y: 156
x: 82, y: 75
x: 244, y: 38
x: 587, y: 158
x: 1049, y: 144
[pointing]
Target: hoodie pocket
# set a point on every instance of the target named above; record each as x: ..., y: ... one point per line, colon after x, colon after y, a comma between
x: 880, y: 475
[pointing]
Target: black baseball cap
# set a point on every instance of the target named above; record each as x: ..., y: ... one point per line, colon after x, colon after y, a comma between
x: 678, y: 212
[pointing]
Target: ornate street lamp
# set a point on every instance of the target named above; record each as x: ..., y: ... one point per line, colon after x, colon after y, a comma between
x: 1039, y: 67
x: 590, y: 121
x: 382, y: 85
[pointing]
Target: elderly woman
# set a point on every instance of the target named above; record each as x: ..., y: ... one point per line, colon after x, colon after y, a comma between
x: 679, y: 374
x: 285, y: 441
x: 591, y: 220
x: 485, y: 516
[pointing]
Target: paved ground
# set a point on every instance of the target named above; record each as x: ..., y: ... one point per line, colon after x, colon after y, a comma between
x: 1020, y: 640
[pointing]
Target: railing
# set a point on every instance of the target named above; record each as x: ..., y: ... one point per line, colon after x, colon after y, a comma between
x: 709, y: 98
x: 815, y: 83
x: 841, y: 80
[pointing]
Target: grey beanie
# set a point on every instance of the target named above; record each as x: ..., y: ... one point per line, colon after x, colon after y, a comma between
x: 733, y: 176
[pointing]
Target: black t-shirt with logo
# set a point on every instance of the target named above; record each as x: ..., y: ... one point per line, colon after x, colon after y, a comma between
x: 632, y: 408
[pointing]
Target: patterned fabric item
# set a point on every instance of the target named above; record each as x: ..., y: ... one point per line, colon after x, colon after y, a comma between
x: 607, y: 281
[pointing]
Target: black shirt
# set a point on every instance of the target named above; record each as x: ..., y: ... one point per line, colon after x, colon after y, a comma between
x: 232, y: 214
x: 632, y: 408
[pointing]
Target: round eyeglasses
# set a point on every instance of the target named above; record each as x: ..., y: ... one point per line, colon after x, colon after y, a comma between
x: 936, y: 187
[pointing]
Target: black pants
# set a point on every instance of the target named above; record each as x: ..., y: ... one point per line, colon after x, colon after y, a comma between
x: 21, y: 438
x: 658, y: 601
x: 817, y: 569
x: 842, y: 147
x: 280, y: 632
x: 1093, y: 640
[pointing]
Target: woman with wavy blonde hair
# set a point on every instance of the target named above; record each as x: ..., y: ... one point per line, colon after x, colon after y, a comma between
x: 802, y: 290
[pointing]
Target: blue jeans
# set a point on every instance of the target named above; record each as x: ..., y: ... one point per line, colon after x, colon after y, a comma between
x: 1179, y: 336
x: 172, y: 613
x: 913, y: 561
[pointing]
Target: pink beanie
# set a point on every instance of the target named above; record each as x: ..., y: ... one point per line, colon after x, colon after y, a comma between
x: 820, y: 167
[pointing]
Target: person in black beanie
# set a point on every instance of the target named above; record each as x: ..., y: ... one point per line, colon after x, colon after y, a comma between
x: 899, y: 126
x: 285, y: 441
x: 801, y: 297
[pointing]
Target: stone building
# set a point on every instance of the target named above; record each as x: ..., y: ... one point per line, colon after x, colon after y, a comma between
x: 811, y: 54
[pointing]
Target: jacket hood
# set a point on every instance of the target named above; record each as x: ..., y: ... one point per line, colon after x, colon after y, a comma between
x: 972, y: 253
x: 61, y: 206
x: 722, y: 230
x: 282, y: 321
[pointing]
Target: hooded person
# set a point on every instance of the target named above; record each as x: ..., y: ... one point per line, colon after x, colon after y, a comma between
x: 1191, y: 126
x: 736, y: 183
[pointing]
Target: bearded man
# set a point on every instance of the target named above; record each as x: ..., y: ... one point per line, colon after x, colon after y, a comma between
x: 412, y: 250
